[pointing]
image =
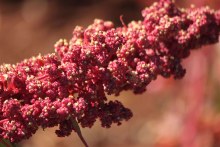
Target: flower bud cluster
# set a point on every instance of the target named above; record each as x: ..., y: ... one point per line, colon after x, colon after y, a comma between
x: 100, y: 60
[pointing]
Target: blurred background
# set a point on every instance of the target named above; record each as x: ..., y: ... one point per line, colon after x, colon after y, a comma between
x: 183, y: 113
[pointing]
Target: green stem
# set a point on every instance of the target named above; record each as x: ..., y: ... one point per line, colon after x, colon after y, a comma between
x: 5, y: 143
x: 78, y: 131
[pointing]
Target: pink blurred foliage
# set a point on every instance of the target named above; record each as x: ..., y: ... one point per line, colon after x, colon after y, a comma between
x: 199, y: 127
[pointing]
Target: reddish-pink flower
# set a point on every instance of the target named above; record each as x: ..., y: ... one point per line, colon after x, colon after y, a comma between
x: 71, y: 84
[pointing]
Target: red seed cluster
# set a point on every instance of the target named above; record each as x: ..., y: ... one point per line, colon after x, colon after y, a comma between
x: 72, y: 83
